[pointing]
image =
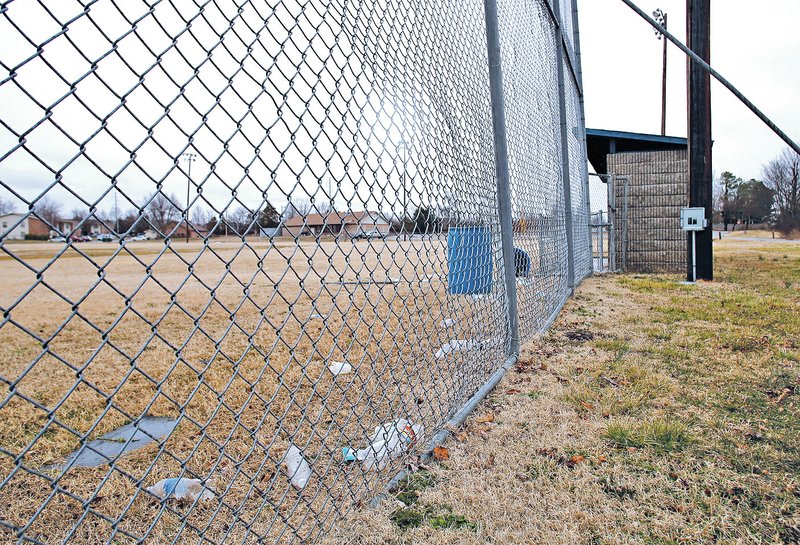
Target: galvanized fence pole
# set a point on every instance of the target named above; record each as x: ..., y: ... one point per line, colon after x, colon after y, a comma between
x: 501, y: 169
x: 565, y: 169
x: 576, y: 40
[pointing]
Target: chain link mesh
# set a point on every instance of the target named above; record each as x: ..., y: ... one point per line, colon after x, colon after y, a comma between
x: 579, y: 180
x: 532, y: 113
x: 274, y: 242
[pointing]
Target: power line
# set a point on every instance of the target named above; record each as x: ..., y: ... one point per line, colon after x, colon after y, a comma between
x: 792, y: 144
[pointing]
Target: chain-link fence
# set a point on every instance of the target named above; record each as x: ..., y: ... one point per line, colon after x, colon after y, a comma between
x: 256, y: 254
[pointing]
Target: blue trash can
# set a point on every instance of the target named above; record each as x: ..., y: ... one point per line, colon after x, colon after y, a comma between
x: 469, y: 260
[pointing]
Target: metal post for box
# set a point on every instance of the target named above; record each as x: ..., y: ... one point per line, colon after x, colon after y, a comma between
x: 694, y: 219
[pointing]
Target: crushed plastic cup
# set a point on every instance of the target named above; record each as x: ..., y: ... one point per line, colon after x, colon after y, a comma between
x: 457, y: 345
x: 448, y: 322
x: 297, y: 469
x: 340, y: 368
x: 388, y: 442
x: 181, y: 489
x: 493, y: 343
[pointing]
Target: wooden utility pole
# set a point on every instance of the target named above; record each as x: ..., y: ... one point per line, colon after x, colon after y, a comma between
x: 698, y: 18
x: 664, y: 85
x: 661, y: 18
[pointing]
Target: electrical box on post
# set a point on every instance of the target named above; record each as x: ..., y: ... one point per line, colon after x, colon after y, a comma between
x: 693, y: 219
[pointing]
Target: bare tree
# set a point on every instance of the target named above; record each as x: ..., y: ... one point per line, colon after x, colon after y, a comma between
x: 6, y: 207
x: 161, y: 211
x: 303, y: 207
x: 79, y: 217
x: 200, y: 216
x: 323, y: 207
x: 241, y: 220
x: 782, y: 176
x: 324, y: 200
x: 300, y: 207
x: 48, y: 210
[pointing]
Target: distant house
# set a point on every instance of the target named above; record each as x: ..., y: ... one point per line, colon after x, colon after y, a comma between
x: 336, y: 224
x: 62, y: 227
x: 24, y: 226
x: 94, y: 227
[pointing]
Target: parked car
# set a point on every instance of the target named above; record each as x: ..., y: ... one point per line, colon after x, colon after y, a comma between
x: 375, y: 233
x: 84, y: 238
x: 72, y: 238
x: 139, y: 237
x: 105, y: 237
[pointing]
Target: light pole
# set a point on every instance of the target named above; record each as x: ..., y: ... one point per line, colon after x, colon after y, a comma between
x: 116, y: 215
x: 404, y: 144
x: 661, y: 18
x: 189, y: 158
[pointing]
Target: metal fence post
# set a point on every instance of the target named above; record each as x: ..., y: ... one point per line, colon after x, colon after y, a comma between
x: 501, y: 168
x: 576, y: 40
x: 565, y: 171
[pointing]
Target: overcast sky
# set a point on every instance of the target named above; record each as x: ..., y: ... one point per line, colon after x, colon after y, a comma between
x: 272, y: 101
x: 756, y: 45
x: 264, y: 118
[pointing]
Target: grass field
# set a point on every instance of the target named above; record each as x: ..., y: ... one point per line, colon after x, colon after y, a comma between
x: 653, y: 413
x: 235, y: 342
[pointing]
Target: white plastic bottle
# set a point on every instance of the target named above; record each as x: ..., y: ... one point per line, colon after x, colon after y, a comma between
x: 297, y: 469
x: 181, y: 489
x: 390, y: 441
x: 457, y: 345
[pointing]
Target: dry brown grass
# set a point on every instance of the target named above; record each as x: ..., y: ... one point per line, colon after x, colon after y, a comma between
x: 678, y: 422
x: 244, y: 369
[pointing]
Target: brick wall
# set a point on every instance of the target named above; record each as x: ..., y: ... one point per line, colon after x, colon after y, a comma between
x: 658, y: 187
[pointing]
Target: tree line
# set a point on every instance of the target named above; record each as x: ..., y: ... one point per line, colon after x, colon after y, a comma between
x: 774, y: 200
x: 163, y: 212
x: 160, y: 212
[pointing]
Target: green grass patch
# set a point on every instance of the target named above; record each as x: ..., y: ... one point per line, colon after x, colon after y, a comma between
x: 661, y: 435
x: 450, y: 520
x: 405, y: 518
x: 658, y: 334
x: 612, y: 344
x: 624, y: 386
x: 585, y: 312
x: 408, y: 489
x: 439, y: 517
